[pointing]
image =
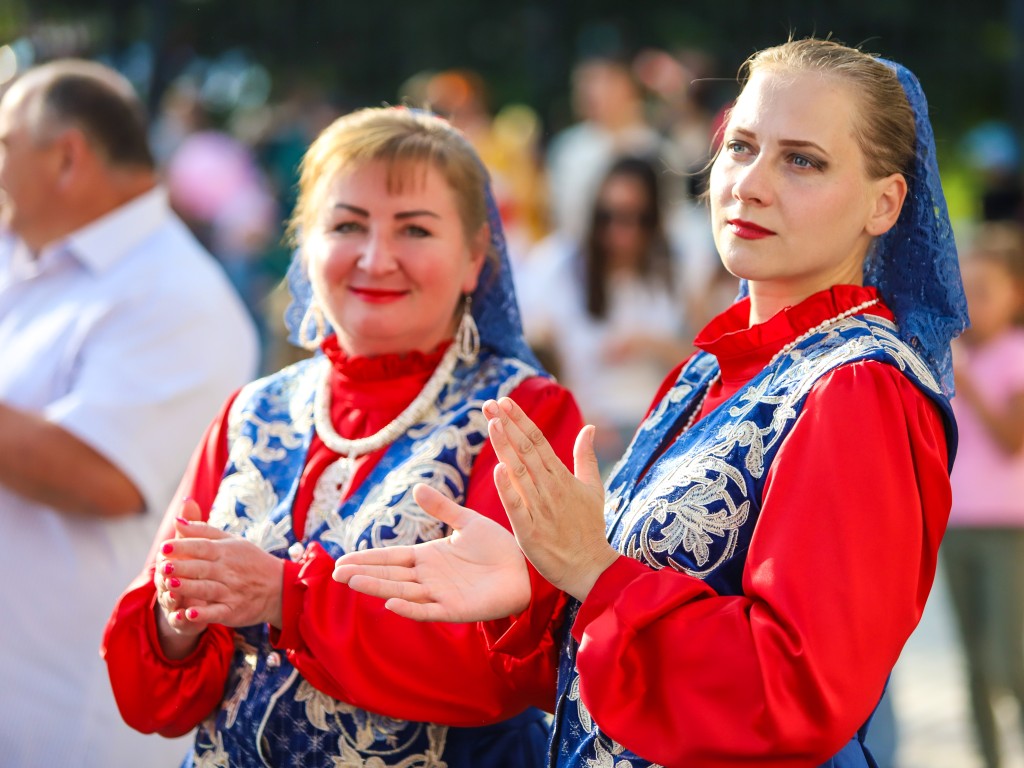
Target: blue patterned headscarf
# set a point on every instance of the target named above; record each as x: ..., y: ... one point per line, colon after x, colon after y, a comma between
x: 494, y: 307
x: 914, y: 265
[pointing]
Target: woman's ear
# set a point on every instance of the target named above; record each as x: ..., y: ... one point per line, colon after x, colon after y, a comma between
x: 890, y: 192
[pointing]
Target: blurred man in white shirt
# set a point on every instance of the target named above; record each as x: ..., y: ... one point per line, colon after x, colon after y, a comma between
x: 120, y: 338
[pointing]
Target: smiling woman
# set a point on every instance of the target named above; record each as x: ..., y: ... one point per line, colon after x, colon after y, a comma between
x: 402, y: 280
x: 390, y: 265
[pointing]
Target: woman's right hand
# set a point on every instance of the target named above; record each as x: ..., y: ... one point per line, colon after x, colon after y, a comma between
x: 178, y: 636
x: 478, y: 573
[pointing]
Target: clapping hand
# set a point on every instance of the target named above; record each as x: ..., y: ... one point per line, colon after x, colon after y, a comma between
x: 557, y: 515
x: 478, y: 573
x: 475, y: 574
x: 205, y: 575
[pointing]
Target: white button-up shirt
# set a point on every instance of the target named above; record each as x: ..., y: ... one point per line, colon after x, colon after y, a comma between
x: 127, y: 334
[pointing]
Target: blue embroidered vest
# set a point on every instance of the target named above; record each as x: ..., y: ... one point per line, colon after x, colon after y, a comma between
x: 270, y: 715
x: 692, y: 503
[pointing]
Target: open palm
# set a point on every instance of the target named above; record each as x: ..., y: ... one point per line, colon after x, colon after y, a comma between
x: 476, y: 574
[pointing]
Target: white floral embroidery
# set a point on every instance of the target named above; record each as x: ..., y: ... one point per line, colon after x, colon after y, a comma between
x: 604, y: 757
x: 436, y: 738
x: 581, y: 709
x: 327, y: 494
x: 375, y: 737
x: 674, y: 396
x: 243, y: 684
x: 216, y: 757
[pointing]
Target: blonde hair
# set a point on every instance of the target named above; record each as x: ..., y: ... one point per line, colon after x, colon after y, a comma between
x: 406, y: 141
x: 885, y: 130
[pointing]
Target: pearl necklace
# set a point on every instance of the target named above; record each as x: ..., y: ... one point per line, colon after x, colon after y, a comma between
x: 413, y: 413
x: 822, y: 326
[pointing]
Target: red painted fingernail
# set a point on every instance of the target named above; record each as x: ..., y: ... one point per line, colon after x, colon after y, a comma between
x: 173, y: 596
x: 168, y: 568
x: 174, y: 581
x: 180, y: 615
x: 167, y: 548
x: 182, y: 520
x: 192, y: 613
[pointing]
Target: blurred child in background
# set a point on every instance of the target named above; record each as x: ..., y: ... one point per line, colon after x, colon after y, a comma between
x: 984, y: 546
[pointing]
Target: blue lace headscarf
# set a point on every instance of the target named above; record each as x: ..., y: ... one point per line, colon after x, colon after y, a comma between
x: 494, y: 304
x: 914, y: 265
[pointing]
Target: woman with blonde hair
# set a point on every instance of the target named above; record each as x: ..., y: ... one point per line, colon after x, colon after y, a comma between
x: 401, y: 280
x: 742, y: 585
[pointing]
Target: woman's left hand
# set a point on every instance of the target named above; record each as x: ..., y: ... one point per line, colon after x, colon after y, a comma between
x: 227, y: 579
x: 556, y: 515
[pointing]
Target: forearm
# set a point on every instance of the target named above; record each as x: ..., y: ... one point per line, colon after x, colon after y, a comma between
x: 392, y: 665
x: 44, y: 462
x: 175, y: 646
x: 156, y: 693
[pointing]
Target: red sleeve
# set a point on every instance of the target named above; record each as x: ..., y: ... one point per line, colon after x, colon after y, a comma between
x: 349, y: 646
x: 836, y: 578
x: 154, y: 693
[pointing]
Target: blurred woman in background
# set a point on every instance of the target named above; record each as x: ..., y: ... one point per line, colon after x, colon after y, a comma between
x: 607, y: 309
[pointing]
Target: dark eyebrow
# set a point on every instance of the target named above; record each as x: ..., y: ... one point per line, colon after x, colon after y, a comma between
x: 357, y: 211
x: 401, y: 215
x: 800, y: 144
x: 794, y: 143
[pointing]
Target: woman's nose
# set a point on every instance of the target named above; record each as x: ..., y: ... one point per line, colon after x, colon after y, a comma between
x: 377, y: 255
x: 752, y: 183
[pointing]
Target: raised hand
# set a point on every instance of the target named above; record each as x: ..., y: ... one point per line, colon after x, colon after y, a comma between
x: 557, y: 515
x: 217, y: 577
x: 475, y: 574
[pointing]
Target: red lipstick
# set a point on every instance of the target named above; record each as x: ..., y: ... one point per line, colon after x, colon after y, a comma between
x: 377, y: 295
x: 748, y: 230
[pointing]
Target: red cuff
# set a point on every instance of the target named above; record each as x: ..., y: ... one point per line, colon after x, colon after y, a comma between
x: 606, y: 591
x: 519, y: 635
x: 293, y: 590
x: 205, y: 639
x: 156, y: 694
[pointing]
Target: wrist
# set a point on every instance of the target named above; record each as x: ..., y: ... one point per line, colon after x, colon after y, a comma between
x: 275, y: 608
x: 174, y: 644
x: 586, y: 576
